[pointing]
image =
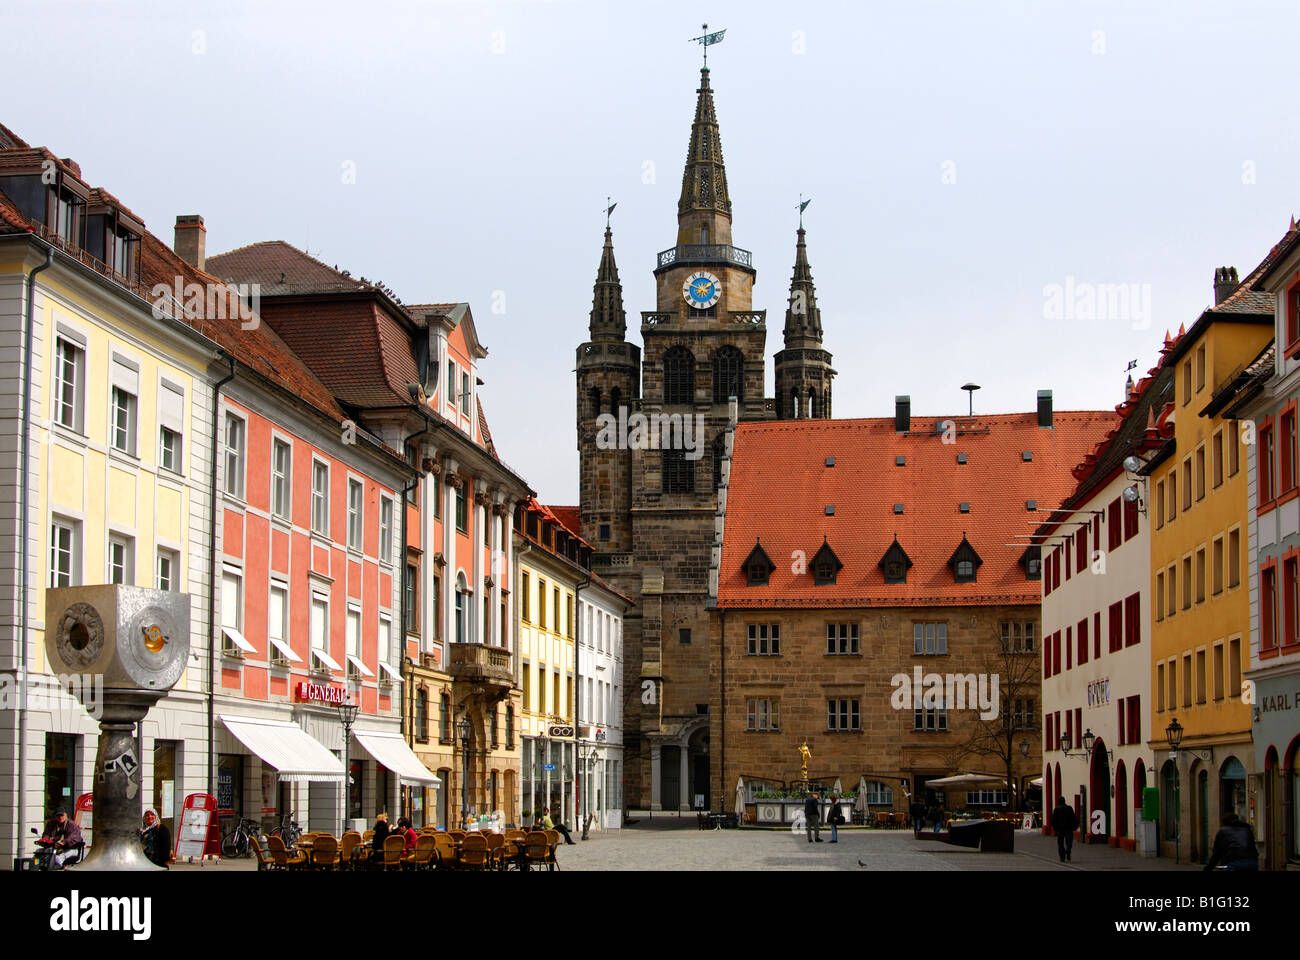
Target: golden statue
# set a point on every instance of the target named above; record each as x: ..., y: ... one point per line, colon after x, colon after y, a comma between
x: 804, y: 755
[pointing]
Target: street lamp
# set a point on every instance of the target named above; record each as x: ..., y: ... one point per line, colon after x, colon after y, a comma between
x: 1174, y: 735
x: 347, y: 716
x: 463, y: 729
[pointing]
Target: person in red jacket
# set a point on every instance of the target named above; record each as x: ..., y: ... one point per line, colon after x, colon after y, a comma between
x: 407, y: 832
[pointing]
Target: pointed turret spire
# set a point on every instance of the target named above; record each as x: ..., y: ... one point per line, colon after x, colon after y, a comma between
x: 608, y: 319
x: 704, y: 181
x: 803, y: 318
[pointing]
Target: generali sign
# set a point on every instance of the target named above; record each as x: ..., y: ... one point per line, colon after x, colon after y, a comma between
x: 319, y: 693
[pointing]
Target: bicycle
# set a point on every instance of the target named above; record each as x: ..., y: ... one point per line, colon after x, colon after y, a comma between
x: 235, y: 843
x: 289, y: 831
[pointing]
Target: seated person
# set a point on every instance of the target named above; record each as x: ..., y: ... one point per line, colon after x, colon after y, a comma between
x: 549, y: 824
x: 408, y: 833
x: 382, y: 830
x: 156, y: 840
x: 64, y: 836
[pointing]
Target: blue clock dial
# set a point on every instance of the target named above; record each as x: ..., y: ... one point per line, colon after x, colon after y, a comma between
x: 702, y: 290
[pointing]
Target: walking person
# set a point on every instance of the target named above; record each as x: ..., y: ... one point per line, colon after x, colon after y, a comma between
x: 918, y: 817
x: 935, y: 815
x: 1234, y: 845
x: 835, y: 816
x: 1064, y: 823
x: 812, y: 817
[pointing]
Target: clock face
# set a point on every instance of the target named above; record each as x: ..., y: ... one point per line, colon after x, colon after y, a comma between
x: 702, y: 290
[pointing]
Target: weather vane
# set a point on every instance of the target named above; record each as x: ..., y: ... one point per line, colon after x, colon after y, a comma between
x: 609, y: 208
x: 803, y: 205
x: 707, y: 40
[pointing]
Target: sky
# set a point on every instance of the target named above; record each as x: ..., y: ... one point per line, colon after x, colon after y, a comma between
x: 1023, y: 195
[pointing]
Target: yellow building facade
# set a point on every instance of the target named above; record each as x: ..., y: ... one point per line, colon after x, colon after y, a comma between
x: 1200, y: 636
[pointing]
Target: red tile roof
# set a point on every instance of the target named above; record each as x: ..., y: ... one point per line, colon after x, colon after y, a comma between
x: 570, y: 519
x: 282, y: 269
x: 780, y: 487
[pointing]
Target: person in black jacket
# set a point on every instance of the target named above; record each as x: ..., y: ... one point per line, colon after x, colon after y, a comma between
x: 156, y: 840
x: 812, y: 817
x: 835, y: 816
x: 1234, y: 845
x: 382, y: 830
x: 918, y: 817
x: 1064, y: 823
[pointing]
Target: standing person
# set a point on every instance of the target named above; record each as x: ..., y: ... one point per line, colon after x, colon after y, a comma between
x: 64, y: 835
x: 918, y: 816
x: 1234, y: 845
x: 561, y: 829
x: 1064, y: 823
x: 156, y: 840
x: 934, y: 815
x: 835, y: 817
x: 812, y: 817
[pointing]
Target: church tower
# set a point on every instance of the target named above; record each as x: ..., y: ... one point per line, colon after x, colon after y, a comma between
x: 803, y: 369
x: 609, y: 378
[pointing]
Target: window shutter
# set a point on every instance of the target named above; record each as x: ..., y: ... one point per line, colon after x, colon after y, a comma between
x: 171, y: 407
x: 126, y: 375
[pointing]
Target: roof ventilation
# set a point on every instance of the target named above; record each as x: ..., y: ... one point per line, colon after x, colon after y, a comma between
x: 830, y: 509
x: 902, y: 414
x: 830, y: 461
x: 898, y: 508
x: 900, y: 461
x: 1027, y: 455
x: 964, y: 507
x: 1044, y: 408
x: 1031, y: 504
x: 961, y: 458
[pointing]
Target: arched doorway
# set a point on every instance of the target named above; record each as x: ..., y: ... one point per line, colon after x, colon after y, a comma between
x: 1098, y: 825
x: 1232, y: 787
x: 1274, y: 824
x: 1291, y: 801
x: 1170, y: 797
x: 1121, y: 799
x: 1139, y: 784
x: 698, y: 761
x: 1200, y: 813
x: 1049, y: 799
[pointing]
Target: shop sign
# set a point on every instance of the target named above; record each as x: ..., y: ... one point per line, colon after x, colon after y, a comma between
x: 1276, y: 703
x: 561, y: 731
x: 319, y: 693
x: 600, y: 735
x: 1099, y: 692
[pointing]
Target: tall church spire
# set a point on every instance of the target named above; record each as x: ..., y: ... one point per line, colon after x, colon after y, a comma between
x: 704, y: 208
x: 608, y: 319
x: 803, y: 318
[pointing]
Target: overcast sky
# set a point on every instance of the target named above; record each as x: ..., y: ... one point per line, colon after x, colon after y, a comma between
x: 962, y: 159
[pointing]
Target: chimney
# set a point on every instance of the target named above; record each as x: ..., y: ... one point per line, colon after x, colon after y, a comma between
x: 1225, y: 281
x: 902, y: 414
x: 191, y: 240
x: 1044, y: 408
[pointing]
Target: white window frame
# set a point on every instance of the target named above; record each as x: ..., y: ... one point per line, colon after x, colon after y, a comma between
x: 356, y: 514
x: 122, y: 401
x: 320, y: 499
x: 386, y: 503
x: 69, y: 348
x: 229, y: 646
x: 72, y: 528
x: 234, y: 459
x: 172, y: 558
x: 126, y: 544
x: 280, y: 630
x: 281, y: 481
x: 176, y: 450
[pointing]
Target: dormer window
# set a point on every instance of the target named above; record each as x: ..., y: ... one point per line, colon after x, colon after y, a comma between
x: 964, y: 562
x: 826, y: 565
x: 758, y: 566
x: 895, y: 563
x: 1032, y: 561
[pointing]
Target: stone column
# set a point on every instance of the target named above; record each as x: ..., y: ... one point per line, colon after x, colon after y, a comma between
x: 656, y: 777
x: 686, y: 798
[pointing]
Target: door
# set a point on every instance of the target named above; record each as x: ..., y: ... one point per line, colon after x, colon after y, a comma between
x: 60, y: 773
x: 700, y: 780
x: 444, y: 791
x: 164, y: 783
x: 1203, y: 815
x: 670, y: 777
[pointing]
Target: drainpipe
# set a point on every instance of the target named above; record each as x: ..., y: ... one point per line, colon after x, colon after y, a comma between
x: 22, y: 542
x: 722, y: 708
x: 212, y: 577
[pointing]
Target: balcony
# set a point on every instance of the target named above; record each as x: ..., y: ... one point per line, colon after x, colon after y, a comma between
x: 478, y: 663
x: 704, y: 253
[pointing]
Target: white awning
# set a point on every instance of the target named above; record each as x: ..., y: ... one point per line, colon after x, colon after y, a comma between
x: 392, y: 751
x: 237, y: 638
x: 390, y: 671
x: 295, y: 755
x: 361, y: 667
x: 285, y: 650
x: 325, y: 658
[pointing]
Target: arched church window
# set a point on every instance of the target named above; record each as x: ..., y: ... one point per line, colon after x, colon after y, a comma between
x: 728, y: 375
x: 679, y: 375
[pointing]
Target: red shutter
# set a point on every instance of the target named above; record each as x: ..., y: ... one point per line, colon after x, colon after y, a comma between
x: 1096, y: 635
x: 1069, y: 648
x: 1078, y: 726
x: 1119, y: 704
x: 1083, y: 640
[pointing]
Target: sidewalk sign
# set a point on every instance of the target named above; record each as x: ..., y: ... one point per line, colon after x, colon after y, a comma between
x: 198, y: 835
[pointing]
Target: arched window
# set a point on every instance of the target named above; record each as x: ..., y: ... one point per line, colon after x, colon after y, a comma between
x: 794, y: 403
x: 678, y: 472
x: 615, y: 399
x: 444, y: 717
x: 594, y: 402
x: 679, y: 376
x: 460, y: 608
x: 812, y: 402
x: 719, y: 452
x: 494, y: 726
x: 510, y: 727
x: 728, y: 375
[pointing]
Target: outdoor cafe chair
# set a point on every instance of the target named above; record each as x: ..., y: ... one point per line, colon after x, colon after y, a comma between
x: 537, y: 851
x: 390, y: 858
x: 367, y: 837
x: 263, y: 861
x: 457, y: 835
x: 324, y: 852
x: 496, y: 843
x: 282, y: 858
x: 422, y: 857
x: 445, y: 850
x: 882, y: 819
x: 474, y: 853
x: 348, y: 847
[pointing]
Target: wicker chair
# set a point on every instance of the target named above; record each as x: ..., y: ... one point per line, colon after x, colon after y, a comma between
x: 324, y: 853
x: 281, y: 857
x: 423, y: 857
x: 367, y: 837
x: 348, y: 847
x: 538, y: 851
x: 444, y: 849
x: 263, y: 861
x: 390, y: 858
x: 474, y: 853
x: 496, y: 844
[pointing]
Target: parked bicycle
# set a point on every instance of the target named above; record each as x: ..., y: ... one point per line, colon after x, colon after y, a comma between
x: 235, y: 843
x: 289, y: 831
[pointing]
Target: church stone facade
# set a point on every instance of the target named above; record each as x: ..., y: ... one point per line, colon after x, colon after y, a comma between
x: 649, y: 508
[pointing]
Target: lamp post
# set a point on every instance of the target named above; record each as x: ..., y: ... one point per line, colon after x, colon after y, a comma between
x: 1174, y: 735
x: 463, y: 728
x: 347, y: 716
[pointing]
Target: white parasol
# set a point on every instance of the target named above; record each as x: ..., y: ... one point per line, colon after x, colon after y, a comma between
x: 740, y: 799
